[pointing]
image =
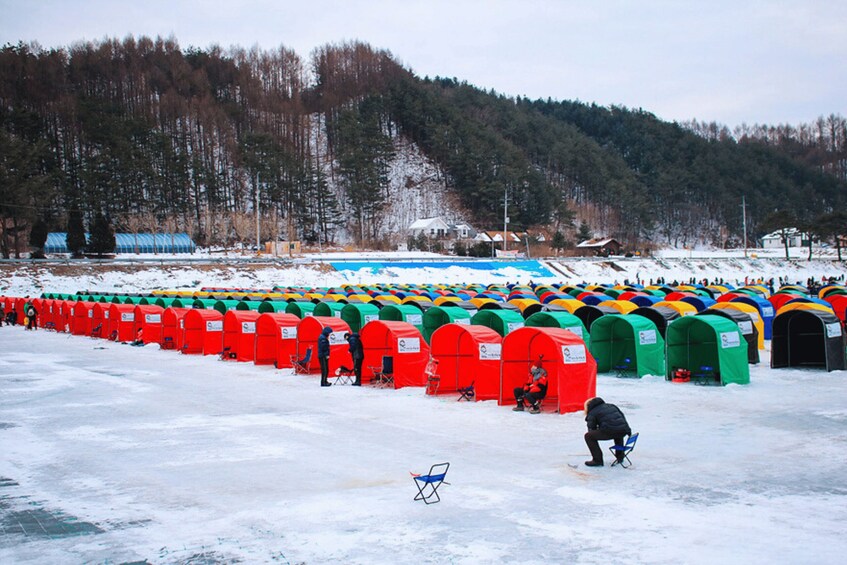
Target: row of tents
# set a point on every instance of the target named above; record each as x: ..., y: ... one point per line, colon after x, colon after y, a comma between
x: 717, y: 341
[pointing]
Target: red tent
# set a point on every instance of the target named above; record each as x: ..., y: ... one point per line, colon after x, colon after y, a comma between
x: 148, y: 318
x: 19, y: 308
x: 81, y: 318
x: 61, y: 313
x: 839, y: 305
x: 100, y: 324
x: 308, y: 331
x: 173, y: 323
x: 467, y: 355
x: 401, y: 341
x: 122, y: 322
x: 239, y: 339
x: 203, y: 332
x: 729, y: 296
x: 678, y: 295
x: 45, y: 312
x: 276, y: 339
x: 779, y: 300
x: 571, y: 370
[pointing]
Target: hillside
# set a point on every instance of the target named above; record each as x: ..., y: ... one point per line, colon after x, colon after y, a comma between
x: 350, y: 146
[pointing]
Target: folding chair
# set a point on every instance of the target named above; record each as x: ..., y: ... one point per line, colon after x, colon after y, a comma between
x: 625, y: 369
x: 227, y: 354
x: 168, y: 343
x: 428, y: 484
x: 344, y: 376
x: 301, y: 366
x: 705, y: 375
x: 96, y: 330
x: 466, y: 393
x: 626, y: 449
x: 384, y: 376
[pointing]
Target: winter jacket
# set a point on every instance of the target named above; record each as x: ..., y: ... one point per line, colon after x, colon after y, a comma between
x: 323, y: 343
x: 356, y: 350
x: 537, y: 386
x: 606, y: 417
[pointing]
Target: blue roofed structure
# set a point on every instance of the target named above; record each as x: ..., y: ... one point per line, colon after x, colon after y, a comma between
x: 131, y: 243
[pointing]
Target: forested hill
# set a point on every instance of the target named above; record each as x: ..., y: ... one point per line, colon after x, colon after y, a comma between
x: 348, y: 144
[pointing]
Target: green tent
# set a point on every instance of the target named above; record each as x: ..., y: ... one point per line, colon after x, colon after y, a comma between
x: 248, y: 305
x: 437, y: 316
x: 301, y: 309
x: 133, y: 300
x: 171, y: 302
x: 403, y: 313
x: 329, y: 309
x: 711, y: 346
x: 273, y: 306
x: 614, y: 293
x: 358, y: 314
x: 223, y: 306
x: 501, y: 321
x: 627, y: 343
x: 564, y: 320
x: 203, y: 303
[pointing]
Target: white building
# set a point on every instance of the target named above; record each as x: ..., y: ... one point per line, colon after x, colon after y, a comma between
x: 437, y: 228
x: 774, y: 240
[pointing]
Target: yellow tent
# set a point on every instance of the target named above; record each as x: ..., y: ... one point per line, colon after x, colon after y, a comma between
x: 747, y: 309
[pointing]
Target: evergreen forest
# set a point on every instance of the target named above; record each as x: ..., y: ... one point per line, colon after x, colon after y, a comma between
x: 151, y: 136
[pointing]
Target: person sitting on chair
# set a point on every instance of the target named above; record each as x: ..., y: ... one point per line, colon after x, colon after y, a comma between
x: 357, y: 352
x: 533, y: 391
x: 323, y: 355
x: 605, y: 421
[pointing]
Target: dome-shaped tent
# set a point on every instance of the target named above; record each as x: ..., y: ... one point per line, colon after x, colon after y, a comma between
x: 745, y: 325
x: 276, y: 339
x: 308, y: 331
x: 301, y: 309
x: 571, y: 371
x: 564, y: 320
x: 765, y: 308
x: 329, y: 309
x: 402, y: 313
x: 807, y: 338
x: 467, y: 355
x: 99, y: 324
x: 203, y: 332
x: 357, y: 315
x: 710, y: 345
x: 660, y: 316
x: 173, y: 327
x: 438, y: 316
x: 403, y: 343
x: 501, y: 321
x: 752, y: 311
x: 588, y: 314
x: 633, y: 341
x: 239, y: 339
x: 148, y: 318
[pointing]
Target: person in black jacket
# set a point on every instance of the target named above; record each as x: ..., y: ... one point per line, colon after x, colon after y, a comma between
x: 323, y: 355
x: 357, y: 352
x: 605, y: 421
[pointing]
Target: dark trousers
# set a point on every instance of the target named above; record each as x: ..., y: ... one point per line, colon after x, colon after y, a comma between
x: 522, y: 396
x: 357, y: 368
x: 594, y: 436
x: 324, y: 362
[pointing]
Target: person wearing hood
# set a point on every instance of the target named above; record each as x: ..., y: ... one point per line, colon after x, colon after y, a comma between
x: 323, y: 355
x: 357, y: 352
x: 605, y: 421
x: 533, y: 391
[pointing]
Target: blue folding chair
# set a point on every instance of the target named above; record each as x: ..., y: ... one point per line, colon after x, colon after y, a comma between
x: 466, y: 393
x: 428, y: 484
x: 625, y: 449
x: 301, y: 366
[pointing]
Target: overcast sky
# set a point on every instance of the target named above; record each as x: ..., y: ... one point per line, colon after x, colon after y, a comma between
x: 766, y: 61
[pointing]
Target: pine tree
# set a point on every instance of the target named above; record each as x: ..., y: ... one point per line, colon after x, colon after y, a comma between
x: 102, y: 236
x: 38, y: 238
x: 584, y: 232
x: 76, y: 234
x: 558, y: 242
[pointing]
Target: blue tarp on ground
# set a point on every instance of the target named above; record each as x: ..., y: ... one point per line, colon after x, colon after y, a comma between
x: 532, y: 268
x: 130, y: 242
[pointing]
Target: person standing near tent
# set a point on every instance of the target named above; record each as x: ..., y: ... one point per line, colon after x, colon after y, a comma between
x: 31, y: 314
x: 357, y: 352
x: 533, y: 391
x: 323, y: 355
x: 605, y: 421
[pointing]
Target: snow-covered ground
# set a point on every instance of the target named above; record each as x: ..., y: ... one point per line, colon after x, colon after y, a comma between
x: 151, y: 456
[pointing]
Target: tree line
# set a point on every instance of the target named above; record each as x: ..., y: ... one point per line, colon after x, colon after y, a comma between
x: 150, y: 136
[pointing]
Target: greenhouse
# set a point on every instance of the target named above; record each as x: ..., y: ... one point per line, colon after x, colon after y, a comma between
x: 131, y: 243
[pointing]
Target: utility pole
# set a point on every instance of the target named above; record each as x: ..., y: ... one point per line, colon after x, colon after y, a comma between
x: 744, y: 222
x: 505, y: 218
x: 258, y: 235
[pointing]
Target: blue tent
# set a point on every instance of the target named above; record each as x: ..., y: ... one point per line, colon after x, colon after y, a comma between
x: 129, y: 242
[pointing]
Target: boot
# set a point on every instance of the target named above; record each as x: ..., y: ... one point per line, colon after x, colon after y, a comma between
x: 518, y: 408
x: 534, y: 410
x: 593, y: 463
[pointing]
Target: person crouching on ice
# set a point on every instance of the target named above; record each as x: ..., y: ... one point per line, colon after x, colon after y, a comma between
x: 605, y: 421
x: 533, y: 391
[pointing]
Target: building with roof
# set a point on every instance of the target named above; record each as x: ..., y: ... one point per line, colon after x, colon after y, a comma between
x: 599, y: 246
x: 131, y: 243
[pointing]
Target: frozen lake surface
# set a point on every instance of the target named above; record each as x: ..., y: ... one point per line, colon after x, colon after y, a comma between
x: 115, y: 454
